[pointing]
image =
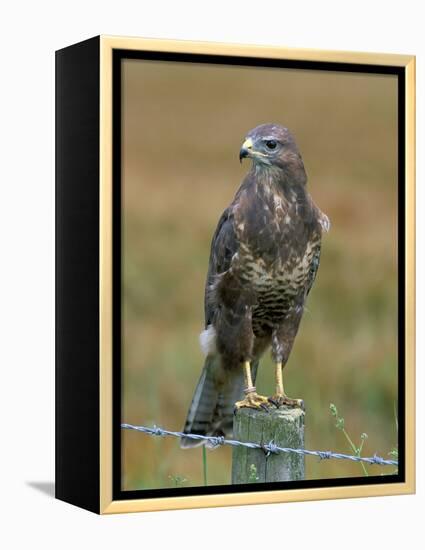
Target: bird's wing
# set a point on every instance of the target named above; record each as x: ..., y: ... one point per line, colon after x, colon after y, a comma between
x: 323, y: 226
x: 314, y: 267
x: 224, y: 245
x: 211, y: 410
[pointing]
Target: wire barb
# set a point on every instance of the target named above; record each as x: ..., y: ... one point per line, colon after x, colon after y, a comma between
x: 269, y: 448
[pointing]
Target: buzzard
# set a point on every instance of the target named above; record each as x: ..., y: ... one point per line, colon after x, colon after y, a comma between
x: 264, y: 258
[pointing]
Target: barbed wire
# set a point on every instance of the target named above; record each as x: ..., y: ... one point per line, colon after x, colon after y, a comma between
x: 268, y: 448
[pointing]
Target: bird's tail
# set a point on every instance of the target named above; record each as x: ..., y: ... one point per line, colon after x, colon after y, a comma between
x: 211, y: 410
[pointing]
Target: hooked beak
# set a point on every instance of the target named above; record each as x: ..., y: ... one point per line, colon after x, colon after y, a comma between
x: 245, y: 149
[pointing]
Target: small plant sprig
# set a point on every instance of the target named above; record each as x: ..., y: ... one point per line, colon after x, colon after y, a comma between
x: 178, y: 480
x: 204, y: 465
x: 340, y: 425
x: 394, y: 451
x: 253, y: 477
x: 394, y: 455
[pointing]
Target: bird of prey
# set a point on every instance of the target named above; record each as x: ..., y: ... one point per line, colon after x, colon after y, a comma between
x: 264, y: 258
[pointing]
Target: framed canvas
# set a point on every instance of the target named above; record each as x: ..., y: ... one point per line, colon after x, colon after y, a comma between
x: 163, y: 238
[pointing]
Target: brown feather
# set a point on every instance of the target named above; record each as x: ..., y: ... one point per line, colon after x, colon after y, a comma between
x: 264, y: 258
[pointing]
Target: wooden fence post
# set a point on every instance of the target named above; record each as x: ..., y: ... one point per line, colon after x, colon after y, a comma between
x: 283, y: 426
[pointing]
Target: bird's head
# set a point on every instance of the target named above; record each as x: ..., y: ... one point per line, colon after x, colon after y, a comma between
x: 270, y: 145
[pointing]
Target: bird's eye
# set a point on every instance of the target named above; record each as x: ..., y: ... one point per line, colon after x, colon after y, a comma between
x: 271, y: 144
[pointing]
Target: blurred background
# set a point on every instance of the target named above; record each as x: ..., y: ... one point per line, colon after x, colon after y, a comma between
x: 183, y: 125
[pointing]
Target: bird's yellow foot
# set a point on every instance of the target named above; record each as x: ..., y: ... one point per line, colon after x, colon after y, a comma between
x: 280, y: 400
x: 253, y: 401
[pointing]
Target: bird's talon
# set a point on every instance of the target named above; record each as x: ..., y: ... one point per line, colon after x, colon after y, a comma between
x: 253, y: 401
x: 283, y: 400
